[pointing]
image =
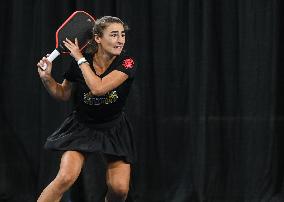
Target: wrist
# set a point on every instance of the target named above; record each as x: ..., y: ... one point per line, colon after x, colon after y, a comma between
x: 46, y: 78
x: 81, y: 61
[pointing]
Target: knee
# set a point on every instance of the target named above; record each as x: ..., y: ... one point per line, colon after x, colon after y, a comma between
x: 118, y: 189
x: 65, y: 179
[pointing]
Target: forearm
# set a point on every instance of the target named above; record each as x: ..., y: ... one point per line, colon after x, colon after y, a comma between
x: 98, y: 86
x: 93, y: 81
x: 54, y: 89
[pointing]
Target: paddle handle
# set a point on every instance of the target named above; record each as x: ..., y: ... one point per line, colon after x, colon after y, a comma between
x: 51, y: 57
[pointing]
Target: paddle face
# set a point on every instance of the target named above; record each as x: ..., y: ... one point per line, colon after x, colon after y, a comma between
x: 79, y: 25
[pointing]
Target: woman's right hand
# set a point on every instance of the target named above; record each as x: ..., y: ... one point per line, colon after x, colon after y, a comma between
x: 44, y: 74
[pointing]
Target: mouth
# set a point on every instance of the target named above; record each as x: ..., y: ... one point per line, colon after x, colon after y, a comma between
x: 118, y: 47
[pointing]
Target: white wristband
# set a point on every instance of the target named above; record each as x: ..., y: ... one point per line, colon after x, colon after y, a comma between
x: 81, y: 61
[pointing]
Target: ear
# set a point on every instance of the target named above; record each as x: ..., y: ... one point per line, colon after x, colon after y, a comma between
x: 97, y: 39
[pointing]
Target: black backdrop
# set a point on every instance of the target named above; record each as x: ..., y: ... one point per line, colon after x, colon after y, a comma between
x: 207, y: 104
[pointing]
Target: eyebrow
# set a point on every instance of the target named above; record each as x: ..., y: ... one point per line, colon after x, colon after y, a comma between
x: 117, y: 31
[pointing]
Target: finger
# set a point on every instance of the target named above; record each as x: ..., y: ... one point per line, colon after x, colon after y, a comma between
x: 69, y: 41
x: 45, y: 64
x: 40, y: 62
x: 76, y: 41
x: 45, y: 60
x: 42, y: 69
x: 39, y: 67
x: 66, y: 45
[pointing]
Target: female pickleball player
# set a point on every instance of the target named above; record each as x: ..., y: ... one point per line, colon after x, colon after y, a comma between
x: 99, y: 82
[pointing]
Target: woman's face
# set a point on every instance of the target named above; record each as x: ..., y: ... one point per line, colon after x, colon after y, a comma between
x: 113, y: 39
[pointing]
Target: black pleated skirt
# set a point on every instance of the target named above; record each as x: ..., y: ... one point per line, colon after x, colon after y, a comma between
x: 112, y: 138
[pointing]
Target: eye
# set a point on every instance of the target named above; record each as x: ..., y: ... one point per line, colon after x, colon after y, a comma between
x: 123, y: 35
x: 114, y: 35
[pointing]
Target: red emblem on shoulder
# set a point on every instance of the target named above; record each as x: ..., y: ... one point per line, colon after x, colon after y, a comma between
x: 128, y: 63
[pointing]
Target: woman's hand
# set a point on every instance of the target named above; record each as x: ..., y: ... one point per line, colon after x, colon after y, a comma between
x: 44, y: 74
x: 73, y: 48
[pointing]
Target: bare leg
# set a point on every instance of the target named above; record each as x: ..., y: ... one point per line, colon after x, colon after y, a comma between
x: 118, y: 176
x: 70, y: 168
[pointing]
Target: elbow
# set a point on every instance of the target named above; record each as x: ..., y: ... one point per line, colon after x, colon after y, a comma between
x: 98, y: 91
x: 65, y: 97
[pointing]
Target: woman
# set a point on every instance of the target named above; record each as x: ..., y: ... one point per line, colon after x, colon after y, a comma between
x: 100, y: 83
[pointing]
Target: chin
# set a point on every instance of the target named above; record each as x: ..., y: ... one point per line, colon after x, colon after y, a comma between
x: 117, y: 53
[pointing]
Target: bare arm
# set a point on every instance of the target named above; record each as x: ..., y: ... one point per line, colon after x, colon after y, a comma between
x: 56, y: 90
x: 100, y: 86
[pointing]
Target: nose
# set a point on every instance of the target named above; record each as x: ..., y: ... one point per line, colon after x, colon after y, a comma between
x: 121, y: 39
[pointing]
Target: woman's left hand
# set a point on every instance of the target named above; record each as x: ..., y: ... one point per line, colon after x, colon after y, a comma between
x: 73, y: 48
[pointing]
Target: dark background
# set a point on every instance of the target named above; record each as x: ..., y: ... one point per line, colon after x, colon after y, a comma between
x: 207, y: 104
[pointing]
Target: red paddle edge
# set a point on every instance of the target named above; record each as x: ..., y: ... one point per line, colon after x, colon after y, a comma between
x: 65, y: 22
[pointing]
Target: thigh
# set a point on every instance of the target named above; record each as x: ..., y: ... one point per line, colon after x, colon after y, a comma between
x: 71, y: 163
x: 118, y: 172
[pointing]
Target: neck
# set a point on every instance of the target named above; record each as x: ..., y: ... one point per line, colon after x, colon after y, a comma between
x: 103, y: 60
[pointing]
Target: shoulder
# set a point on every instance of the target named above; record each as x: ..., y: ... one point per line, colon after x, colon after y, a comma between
x: 126, y: 64
x: 125, y: 60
